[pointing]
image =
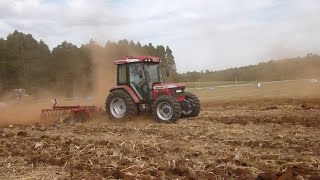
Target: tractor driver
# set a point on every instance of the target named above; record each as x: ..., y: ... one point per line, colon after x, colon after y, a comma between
x: 138, y: 80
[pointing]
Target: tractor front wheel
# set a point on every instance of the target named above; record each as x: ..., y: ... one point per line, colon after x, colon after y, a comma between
x: 194, y: 102
x: 120, y: 106
x: 166, y: 109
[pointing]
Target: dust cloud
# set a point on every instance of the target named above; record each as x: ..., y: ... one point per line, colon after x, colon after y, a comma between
x: 104, y: 74
x: 20, y: 112
x: 16, y: 113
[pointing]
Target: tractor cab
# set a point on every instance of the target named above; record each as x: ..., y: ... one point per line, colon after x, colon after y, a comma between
x: 141, y: 87
x: 143, y: 74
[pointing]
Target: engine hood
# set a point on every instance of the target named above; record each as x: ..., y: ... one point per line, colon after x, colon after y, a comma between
x: 169, y: 86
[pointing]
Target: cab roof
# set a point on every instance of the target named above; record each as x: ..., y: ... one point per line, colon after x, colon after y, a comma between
x: 134, y: 59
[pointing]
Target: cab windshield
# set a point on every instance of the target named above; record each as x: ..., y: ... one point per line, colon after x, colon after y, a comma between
x: 153, y: 73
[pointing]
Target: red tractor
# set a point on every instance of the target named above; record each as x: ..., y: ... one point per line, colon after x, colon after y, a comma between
x: 141, y: 88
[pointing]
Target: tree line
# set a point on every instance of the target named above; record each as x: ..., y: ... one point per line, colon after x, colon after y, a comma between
x: 30, y: 64
x: 69, y: 70
x: 285, y: 69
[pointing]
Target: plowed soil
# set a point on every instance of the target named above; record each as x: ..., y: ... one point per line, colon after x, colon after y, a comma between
x: 230, y: 139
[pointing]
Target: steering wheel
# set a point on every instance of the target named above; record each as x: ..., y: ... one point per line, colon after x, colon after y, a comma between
x: 142, y: 83
x: 138, y: 84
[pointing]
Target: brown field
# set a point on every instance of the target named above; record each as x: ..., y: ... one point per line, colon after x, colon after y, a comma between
x: 241, y: 132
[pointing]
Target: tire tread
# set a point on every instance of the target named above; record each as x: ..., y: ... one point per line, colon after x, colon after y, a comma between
x: 197, y: 108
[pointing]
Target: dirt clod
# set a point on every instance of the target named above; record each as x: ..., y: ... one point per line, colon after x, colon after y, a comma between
x: 180, y: 170
x: 22, y: 133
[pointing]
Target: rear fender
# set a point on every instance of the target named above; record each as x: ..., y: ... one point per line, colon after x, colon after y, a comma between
x: 129, y: 91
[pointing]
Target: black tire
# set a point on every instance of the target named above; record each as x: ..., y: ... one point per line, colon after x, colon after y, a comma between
x: 131, y: 107
x: 196, y: 110
x: 169, y: 101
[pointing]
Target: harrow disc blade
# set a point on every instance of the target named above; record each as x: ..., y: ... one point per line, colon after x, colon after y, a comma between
x: 70, y: 113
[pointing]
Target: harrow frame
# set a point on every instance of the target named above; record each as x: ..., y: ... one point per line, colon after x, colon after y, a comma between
x: 62, y: 113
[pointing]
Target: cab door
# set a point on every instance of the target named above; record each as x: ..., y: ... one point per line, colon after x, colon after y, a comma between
x: 138, y: 80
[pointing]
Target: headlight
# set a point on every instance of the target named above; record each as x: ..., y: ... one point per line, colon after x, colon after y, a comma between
x: 179, y: 91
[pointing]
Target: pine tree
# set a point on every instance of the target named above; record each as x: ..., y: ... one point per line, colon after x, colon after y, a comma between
x: 171, y: 64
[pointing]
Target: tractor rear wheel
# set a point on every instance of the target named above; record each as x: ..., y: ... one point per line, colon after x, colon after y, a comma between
x: 194, y: 100
x: 120, y: 106
x: 166, y: 109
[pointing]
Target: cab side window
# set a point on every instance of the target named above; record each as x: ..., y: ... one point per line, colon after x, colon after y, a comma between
x: 138, y: 80
x: 136, y: 73
x: 122, y: 75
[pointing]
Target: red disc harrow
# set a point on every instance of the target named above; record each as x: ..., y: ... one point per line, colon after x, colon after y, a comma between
x: 64, y: 113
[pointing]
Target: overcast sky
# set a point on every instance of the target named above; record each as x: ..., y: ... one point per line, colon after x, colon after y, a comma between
x: 203, y: 34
